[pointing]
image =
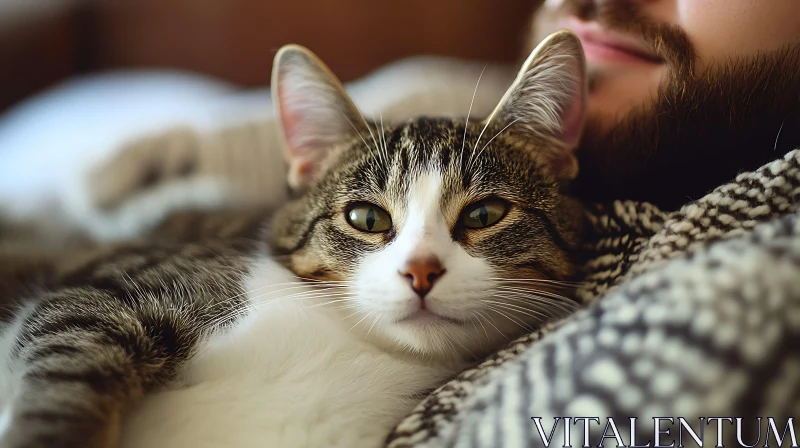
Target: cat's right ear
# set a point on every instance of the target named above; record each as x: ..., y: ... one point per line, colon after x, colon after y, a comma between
x: 315, y: 114
x: 548, y: 99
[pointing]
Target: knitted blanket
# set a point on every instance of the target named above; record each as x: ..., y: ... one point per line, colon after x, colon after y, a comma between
x: 693, y: 314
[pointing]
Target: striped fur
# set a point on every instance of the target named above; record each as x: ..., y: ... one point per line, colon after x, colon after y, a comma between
x: 121, y: 322
x: 124, y: 335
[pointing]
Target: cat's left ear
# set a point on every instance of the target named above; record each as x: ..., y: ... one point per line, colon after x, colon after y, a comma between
x: 314, y: 112
x: 547, y: 101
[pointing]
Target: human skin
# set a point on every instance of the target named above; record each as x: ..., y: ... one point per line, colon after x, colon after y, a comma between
x: 719, y: 31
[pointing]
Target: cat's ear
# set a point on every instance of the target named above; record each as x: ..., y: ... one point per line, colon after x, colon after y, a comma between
x: 548, y: 100
x: 314, y: 113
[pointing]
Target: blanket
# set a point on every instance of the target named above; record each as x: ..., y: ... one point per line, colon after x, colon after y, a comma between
x: 693, y: 313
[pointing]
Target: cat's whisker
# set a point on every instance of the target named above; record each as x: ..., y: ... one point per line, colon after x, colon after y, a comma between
x: 538, y: 292
x: 536, y: 297
x: 294, y: 296
x: 352, y: 314
x: 344, y: 307
x: 526, y: 288
x: 230, y: 299
x: 309, y: 284
x: 359, y: 133
x: 490, y: 322
x: 381, y: 152
x: 262, y: 288
x: 548, y: 305
x: 377, y: 317
x: 462, y: 346
x: 535, y: 280
x: 526, y: 311
x: 318, y: 301
x: 477, y: 333
x: 321, y: 291
x: 453, y: 347
x: 348, y: 304
x: 292, y: 284
x: 539, y: 289
x: 303, y: 295
x: 538, y: 286
x: 212, y: 324
x: 469, y: 112
x: 385, y: 146
x: 488, y: 340
x: 329, y: 305
x: 321, y: 304
x: 472, y: 153
x: 510, y: 318
x: 361, y: 320
x: 316, y: 280
x: 495, y: 136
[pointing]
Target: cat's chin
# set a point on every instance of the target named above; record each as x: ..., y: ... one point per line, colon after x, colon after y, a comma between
x: 427, y: 317
x: 438, y: 337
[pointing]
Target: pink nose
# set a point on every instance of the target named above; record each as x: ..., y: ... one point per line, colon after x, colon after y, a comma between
x: 422, y: 273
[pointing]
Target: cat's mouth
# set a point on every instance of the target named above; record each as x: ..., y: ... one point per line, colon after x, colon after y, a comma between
x: 426, y: 316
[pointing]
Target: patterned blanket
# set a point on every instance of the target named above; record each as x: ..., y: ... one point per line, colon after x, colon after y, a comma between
x: 693, y: 314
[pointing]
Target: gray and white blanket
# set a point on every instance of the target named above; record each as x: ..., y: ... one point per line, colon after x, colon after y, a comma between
x: 692, y: 314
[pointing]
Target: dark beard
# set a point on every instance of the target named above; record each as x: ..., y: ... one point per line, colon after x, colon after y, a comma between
x: 700, y: 133
x: 703, y: 129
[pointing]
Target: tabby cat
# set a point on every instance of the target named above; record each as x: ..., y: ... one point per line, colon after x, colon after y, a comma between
x: 407, y: 252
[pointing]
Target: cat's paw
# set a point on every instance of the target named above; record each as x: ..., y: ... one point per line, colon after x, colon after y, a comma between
x: 143, y: 183
x: 144, y: 164
x: 180, y: 169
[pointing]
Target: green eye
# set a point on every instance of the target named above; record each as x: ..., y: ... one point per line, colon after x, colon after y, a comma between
x: 369, y: 218
x: 484, y: 213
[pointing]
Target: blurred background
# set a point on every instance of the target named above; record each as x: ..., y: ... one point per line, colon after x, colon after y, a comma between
x: 43, y: 42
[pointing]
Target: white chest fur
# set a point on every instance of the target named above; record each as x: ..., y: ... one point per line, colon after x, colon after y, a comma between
x: 286, y: 376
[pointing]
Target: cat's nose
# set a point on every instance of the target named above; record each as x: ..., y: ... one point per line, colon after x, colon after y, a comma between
x: 422, y: 273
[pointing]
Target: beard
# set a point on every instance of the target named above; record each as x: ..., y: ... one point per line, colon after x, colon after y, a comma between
x: 699, y: 131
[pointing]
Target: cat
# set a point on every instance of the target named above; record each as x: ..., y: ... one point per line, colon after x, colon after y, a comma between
x: 406, y: 253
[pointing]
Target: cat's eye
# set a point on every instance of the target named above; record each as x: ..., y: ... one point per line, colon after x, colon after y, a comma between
x: 484, y: 213
x: 369, y: 218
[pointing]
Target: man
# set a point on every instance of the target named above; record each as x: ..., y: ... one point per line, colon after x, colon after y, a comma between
x: 694, y: 301
x: 683, y: 93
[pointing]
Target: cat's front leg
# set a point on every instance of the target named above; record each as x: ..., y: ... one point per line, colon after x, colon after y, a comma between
x: 32, y: 424
x: 76, y: 361
x: 68, y: 392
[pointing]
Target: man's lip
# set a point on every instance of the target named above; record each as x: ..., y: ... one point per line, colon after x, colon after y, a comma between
x: 602, y: 44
